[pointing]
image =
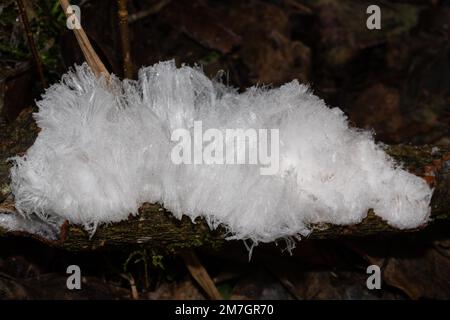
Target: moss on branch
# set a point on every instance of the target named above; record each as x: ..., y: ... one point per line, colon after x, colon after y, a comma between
x: 156, y: 228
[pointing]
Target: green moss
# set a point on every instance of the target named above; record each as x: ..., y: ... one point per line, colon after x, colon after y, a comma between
x: 47, y: 22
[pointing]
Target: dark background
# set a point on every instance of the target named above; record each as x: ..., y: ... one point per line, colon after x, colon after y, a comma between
x: 394, y: 81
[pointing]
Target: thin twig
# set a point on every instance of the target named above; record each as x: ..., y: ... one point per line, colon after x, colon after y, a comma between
x: 200, y: 274
x: 31, y: 44
x: 125, y: 39
x: 157, y: 7
x: 300, y: 7
x: 90, y: 55
x: 133, y: 289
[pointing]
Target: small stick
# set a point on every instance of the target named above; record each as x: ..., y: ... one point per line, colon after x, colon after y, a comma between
x: 31, y: 44
x: 200, y: 274
x: 133, y: 288
x: 90, y: 55
x: 125, y: 39
x: 148, y: 12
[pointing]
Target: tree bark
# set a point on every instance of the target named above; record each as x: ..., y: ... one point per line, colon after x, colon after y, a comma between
x: 157, y: 228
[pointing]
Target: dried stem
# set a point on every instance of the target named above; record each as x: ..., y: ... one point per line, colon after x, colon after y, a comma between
x: 90, y: 55
x: 157, y: 7
x: 200, y: 274
x: 31, y: 44
x: 125, y: 39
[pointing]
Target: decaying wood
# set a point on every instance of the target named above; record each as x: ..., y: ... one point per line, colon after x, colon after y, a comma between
x: 157, y: 228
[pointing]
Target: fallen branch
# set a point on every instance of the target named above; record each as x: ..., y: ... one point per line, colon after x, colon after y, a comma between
x: 157, y: 228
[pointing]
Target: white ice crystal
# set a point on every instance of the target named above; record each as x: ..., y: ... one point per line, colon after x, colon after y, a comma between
x: 105, y: 149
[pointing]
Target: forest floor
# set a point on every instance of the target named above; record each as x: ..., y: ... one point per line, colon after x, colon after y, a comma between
x: 394, y: 81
